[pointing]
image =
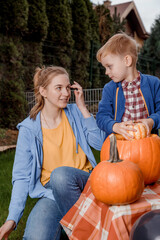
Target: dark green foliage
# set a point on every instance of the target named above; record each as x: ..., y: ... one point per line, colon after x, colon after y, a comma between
x: 13, y: 25
x: 37, y: 32
x: 12, y: 99
x: 93, y: 22
x: 13, y: 17
x: 94, y: 73
x: 81, y: 36
x: 149, y: 58
x: 96, y: 154
x: 37, y: 21
x: 105, y: 31
x: 32, y: 58
x: 57, y: 49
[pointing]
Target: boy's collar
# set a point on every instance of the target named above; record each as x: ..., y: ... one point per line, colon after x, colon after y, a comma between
x: 135, y: 82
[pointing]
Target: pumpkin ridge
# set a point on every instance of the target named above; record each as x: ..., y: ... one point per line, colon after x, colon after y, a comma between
x: 153, y: 166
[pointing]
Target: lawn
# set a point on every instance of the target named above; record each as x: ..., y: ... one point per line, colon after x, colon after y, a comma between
x: 6, y: 164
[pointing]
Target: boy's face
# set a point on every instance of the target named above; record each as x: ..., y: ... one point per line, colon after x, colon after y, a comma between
x: 115, y: 66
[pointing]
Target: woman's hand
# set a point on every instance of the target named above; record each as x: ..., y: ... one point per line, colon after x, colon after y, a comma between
x: 122, y: 128
x: 79, y: 97
x: 6, y: 229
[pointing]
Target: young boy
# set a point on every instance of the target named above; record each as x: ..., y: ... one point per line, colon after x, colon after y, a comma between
x: 130, y: 96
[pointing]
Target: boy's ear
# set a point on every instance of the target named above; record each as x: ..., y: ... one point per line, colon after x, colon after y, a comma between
x: 42, y: 91
x: 128, y: 60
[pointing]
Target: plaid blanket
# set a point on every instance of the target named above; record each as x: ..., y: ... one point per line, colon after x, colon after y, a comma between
x: 90, y: 219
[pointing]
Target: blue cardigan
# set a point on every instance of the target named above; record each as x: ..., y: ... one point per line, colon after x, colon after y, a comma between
x: 150, y: 88
x: 29, y: 156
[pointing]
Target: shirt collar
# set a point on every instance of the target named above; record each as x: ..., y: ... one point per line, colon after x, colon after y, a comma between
x: 135, y: 82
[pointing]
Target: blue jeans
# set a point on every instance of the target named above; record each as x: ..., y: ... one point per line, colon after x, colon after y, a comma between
x: 67, y: 183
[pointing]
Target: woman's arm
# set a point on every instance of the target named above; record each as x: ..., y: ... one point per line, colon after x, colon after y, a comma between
x: 20, y: 175
x: 78, y: 92
x: 95, y: 137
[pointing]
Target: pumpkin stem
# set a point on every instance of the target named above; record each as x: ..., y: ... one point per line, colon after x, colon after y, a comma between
x: 114, y: 156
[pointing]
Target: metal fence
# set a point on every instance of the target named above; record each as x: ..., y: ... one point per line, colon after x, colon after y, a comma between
x: 91, y: 96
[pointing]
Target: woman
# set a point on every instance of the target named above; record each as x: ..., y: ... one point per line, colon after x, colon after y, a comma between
x: 53, y: 157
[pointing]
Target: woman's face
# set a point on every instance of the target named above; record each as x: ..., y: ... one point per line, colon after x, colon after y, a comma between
x: 58, y: 92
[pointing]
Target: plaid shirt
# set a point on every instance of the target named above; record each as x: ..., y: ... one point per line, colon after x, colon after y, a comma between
x: 134, y: 105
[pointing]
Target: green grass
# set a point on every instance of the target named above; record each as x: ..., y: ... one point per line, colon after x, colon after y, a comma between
x: 96, y: 155
x: 6, y: 164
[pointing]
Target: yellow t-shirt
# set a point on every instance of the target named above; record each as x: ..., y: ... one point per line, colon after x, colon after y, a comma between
x: 59, y: 149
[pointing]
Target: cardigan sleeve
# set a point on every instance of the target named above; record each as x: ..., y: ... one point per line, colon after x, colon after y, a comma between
x: 156, y: 96
x: 105, y: 116
x: 20, y: 175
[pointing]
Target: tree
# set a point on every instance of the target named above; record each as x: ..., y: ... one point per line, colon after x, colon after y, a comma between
x: 93, y: 27
x: 12, y: 98
x: 59, y: 43
x: 149, y: 58
x: 13, y: 24
x: 13, y: 17
x: 105, y: 23
x: 81, y: 36
x: 37, y: 21
x: 117, y: 24
x: 37, y: 28
x: 108, y: 25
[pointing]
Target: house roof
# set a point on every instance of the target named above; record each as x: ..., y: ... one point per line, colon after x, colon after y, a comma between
x: 129, y: 11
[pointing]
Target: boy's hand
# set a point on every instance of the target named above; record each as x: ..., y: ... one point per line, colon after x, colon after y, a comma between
x: 148, y: 122
x: 122, y: 128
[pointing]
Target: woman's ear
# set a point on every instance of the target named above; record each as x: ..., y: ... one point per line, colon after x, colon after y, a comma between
x: 42, y: 91
x: 128, y: 60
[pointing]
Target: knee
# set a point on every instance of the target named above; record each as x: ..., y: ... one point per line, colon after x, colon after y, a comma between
x: 59, y: 177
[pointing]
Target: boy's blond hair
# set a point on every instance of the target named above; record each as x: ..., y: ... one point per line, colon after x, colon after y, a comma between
x: 119, y: 44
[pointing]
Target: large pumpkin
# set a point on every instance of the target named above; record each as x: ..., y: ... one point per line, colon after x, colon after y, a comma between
x: 145, y: 152
x: 116, y: 181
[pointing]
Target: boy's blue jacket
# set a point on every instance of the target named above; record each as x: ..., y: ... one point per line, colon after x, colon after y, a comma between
x: 29, y: 156
x: 150, y: 87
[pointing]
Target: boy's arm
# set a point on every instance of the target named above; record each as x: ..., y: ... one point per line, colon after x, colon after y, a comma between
x: 105, y: 116
x: 156, y: 115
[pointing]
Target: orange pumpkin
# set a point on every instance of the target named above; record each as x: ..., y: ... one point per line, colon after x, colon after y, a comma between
x: 116, y: 181
x: 141, y: 130
x: 145, y: 152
